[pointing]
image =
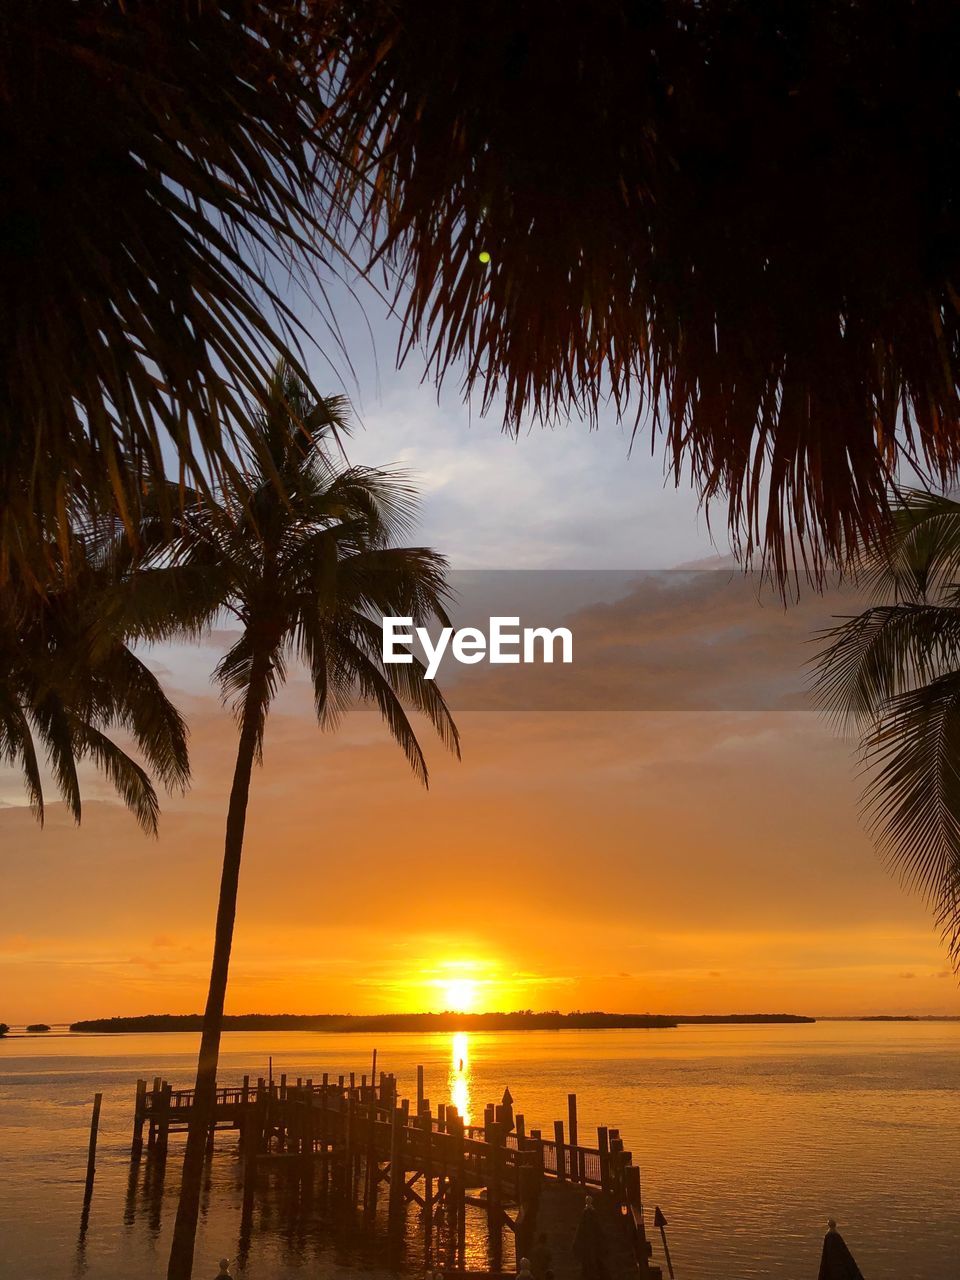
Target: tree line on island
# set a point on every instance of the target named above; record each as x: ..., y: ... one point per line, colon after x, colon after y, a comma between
x: 521, y: 1020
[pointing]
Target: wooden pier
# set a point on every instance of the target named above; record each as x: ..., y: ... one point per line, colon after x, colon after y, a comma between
x: 364, y: 1141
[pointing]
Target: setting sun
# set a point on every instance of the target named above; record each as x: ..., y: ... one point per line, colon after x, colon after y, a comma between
x: 460, y: 994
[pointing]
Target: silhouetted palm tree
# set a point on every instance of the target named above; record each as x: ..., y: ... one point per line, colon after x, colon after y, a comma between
x: 763, y: 265
x: 161, y: 168
x: 893, y: 673
x: 68, y: 678
x: 661, y: 227
x: 307, y: 576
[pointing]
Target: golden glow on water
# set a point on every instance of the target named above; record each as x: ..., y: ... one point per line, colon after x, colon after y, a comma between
x: 460, y: 1074
x: 750, y: 1137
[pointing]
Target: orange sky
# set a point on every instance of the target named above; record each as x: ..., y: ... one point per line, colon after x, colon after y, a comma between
x: 671, y: 861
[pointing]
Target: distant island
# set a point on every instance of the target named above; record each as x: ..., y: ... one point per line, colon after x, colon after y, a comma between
x: 524, y: 1020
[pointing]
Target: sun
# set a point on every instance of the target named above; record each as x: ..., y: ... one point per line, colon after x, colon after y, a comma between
x: 459, y: 994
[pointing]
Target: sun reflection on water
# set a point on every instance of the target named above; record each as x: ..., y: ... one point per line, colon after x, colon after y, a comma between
x: 459, y: 1080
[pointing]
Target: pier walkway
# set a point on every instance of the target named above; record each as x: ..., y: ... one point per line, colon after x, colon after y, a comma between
x: 362, y: 1140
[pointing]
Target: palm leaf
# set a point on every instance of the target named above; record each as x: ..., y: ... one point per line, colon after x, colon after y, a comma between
x: 893, y: 674
x: 162, y: 163
x: 913, y: 799
x: 651, y: 250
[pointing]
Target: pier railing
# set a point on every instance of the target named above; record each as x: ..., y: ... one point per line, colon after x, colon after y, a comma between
x: 351, y: 1124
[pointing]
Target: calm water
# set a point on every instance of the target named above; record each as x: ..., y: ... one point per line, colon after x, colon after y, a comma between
x: 748, y: 1137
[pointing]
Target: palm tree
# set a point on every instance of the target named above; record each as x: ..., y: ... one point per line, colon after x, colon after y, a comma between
x: 893, y: 673
x: 661, y: 228
x: 306, y: 570
x: 68, y: 677
x: 161, y: 168
x: 600, y: 205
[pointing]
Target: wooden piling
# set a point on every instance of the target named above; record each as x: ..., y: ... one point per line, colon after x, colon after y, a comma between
x: 425, y: 1120
x: 92, y: 1147
x: 163, y: 1133
x: 561, y: 1154
x: 460, y: 1190
x: 397, y: 1171
x: 572, y: 1117
x: 603, y: 1144
x: 139, y: 1107
x: 495, y: 1174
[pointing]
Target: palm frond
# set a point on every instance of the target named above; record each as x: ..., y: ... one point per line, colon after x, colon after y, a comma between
x: 919, y: 554
x: 913, y: 799
x: 893, y: 673
x: 162, y: 161
x: 649, y: 248
x: 17, y: 748
x: 887, y: 650
x: 68, y: 677
x: 131, y: 781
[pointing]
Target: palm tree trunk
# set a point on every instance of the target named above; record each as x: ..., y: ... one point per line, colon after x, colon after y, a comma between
x: 188, y: 1209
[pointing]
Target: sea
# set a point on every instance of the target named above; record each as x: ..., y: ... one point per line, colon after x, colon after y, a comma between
x: 749, y: 1139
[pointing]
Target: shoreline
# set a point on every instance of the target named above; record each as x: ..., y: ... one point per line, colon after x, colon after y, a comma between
x: 427, y: 1023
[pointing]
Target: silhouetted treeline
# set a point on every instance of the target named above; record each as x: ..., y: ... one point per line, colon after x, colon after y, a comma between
x: 683, y: 1018
x: 521, y: 1020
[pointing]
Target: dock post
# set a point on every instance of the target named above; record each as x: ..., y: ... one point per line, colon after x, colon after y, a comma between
x: 460, y: 1190
x: 419, y: 1089
x: 92, y: 1148
x: 528, y: 1199
x: 372, y: 1160
x: 396, y: 1167
x: 324, y: 1162
x: 244, y: 1101
x: 495, y: 1175
x: 574, y: 1153
x: 495, y: 1213
x: 166, y: 1093
x: 293, y: 1121
x: 154, y: 1108
x: 489, y: 1118
x: 425, y: 1120
x: 282, y: 1115
x: 349, y: 1154
x: 603, y: 1143
x: 306, y: 1164
x: 616, y: 1164
x: 139, y: 1107
x: 536, y: 1137
x: 561, y: 1152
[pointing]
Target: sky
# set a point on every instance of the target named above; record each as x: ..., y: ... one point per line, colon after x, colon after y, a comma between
x: 685, y: 838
